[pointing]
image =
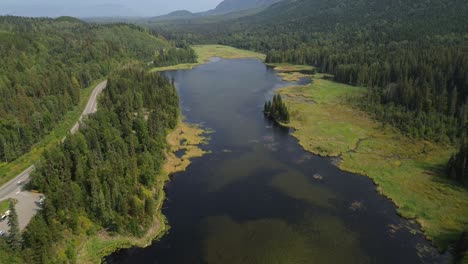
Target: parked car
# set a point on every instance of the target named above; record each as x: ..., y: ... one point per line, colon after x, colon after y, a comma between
x: 41, y: 201
x: 2, y: 233
x: 5, y: 215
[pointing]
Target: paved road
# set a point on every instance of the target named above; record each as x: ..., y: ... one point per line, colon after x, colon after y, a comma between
x: 91, y: 106
x: 28, y: 202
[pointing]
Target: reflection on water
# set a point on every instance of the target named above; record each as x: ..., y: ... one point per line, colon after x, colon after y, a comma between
x: 258, y: 197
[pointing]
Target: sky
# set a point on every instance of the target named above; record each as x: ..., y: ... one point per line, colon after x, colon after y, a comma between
x: 90, y: 8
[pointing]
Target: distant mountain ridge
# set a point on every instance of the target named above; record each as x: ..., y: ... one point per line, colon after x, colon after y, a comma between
x: 225, y: 7
x: 228, y: 6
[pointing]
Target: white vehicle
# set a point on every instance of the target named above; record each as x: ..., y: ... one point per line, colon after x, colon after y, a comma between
x: 5, y: 215
x: 2, y: 233
x: 41, y: 201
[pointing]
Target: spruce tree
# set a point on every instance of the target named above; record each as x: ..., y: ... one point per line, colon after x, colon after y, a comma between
x: 14, y: 238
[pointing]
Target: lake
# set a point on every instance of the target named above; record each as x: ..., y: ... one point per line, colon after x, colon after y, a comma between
x: 258, y: 197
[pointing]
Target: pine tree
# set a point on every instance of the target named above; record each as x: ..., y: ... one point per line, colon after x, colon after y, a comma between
x: 276, y: 109
x: 14, y: 238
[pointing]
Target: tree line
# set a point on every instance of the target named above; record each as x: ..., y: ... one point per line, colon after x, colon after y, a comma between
x: 174, y: 56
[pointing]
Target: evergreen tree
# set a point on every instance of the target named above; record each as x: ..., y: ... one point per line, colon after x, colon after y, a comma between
x: 276, y: 109
x: 14, y: 237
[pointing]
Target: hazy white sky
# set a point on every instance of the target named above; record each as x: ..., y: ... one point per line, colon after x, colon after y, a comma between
x: 83, y: 8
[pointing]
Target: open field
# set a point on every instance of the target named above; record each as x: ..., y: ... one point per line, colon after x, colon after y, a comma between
x: 10, y: 170
x: 408, y: 171
x: 206, y: 52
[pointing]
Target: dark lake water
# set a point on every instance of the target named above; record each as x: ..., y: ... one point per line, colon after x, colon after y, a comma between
x: 259, y: 198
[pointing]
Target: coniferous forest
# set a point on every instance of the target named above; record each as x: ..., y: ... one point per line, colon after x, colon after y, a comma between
x: 47, y: 62
x: 103, y: 177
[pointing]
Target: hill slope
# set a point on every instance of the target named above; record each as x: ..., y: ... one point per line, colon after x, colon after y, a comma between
x: 46, y: 63
x: 233, y: 8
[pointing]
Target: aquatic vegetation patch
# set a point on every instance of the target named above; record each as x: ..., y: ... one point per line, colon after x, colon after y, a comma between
x: 271, y: 240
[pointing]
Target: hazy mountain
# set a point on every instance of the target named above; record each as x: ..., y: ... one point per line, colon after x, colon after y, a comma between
x: 237, y: 8
x: 229, y: 6
x: 180, y: 14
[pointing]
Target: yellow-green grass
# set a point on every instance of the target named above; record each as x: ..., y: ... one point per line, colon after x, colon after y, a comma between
x: 4, y: 205
x: 10, y: 170
x: 408, y: 171
x: 184, y: 136
x: 286, y: 67
x: 206, y: 52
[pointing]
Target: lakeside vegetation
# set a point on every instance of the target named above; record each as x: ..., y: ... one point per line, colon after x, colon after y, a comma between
x: 407, y: 170
x: 206, y: 52
x: 100, y: 245
x: 276, y: 110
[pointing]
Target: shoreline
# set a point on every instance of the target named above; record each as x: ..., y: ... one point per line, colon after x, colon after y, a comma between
x: 184, y: 136
x: 403, y: 170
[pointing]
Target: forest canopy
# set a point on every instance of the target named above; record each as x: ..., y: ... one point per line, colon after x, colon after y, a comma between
x: 104, y: 176
x: 45, y: 65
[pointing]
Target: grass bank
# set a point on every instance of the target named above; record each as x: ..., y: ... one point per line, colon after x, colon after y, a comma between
x: 184, y: 137
x: 408, y: 171
x: 10, y: 170
x: 4, y: 205
x: 206, y: 52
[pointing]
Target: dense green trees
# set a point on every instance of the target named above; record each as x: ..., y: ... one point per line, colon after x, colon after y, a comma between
x: 276, y: 109
x: 457, y: 167
x: 174, y: 56
x: 44, y: 65
x: 14, y: 235
x: 104, y: 176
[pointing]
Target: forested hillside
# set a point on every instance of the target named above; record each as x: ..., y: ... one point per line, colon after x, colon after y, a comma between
x: 46, y: 62
x: 103, y: 177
